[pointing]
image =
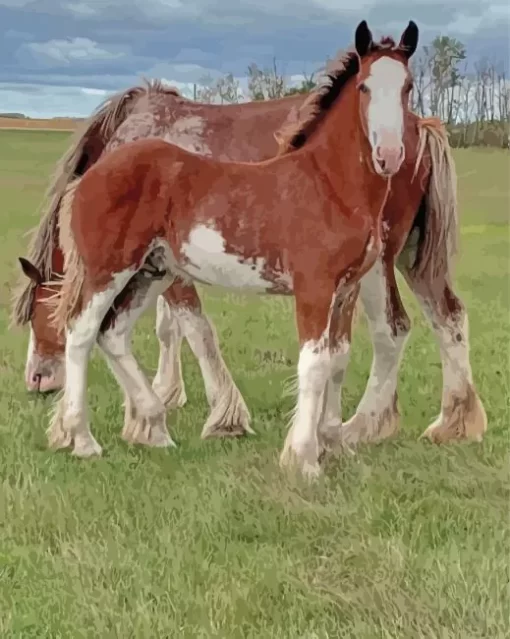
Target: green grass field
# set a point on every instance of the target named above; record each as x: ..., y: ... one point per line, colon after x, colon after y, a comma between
x: 406, y: 540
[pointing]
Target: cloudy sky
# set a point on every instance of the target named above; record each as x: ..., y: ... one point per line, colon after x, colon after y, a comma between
x: 62, y: 57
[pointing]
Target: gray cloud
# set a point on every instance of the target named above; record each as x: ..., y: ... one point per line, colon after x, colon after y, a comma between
x: 109, y: 44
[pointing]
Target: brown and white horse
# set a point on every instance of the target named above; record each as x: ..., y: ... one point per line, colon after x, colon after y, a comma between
x: 307, y: 223
x: 425, y: 201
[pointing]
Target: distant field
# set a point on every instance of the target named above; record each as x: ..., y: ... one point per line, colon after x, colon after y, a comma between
x: 405, y: 541
x: 54, y: 124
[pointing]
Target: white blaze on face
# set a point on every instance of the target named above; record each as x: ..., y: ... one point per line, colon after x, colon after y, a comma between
x: 209, y: 263
x: 385, y: 115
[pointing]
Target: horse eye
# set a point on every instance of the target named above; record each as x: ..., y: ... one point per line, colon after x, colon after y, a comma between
x: 363, y: 88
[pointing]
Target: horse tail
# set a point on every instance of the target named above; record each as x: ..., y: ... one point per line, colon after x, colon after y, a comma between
x: 87, y: 144
x: 439, y: 227
x: 66, y: 302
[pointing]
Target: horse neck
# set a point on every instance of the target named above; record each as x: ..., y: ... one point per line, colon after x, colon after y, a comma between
x: 339, y: 144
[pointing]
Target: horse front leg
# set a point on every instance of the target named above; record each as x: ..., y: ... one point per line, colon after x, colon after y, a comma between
x: 324, y: 324
x: 69, y: 423
x: 330, y: 426
x: 377, y: 416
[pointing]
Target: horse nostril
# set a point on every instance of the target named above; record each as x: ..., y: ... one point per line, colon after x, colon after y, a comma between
x: 37, y: 380
x: 382, y: 164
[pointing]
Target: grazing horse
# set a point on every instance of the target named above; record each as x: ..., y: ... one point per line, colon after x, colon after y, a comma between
x: 422, y: 200
x: 307, y: 222
x: 239, y: 132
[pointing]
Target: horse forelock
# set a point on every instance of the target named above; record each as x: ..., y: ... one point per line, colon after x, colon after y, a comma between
x: 386, y: 42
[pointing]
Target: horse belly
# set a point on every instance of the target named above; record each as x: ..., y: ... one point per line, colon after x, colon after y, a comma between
x: 205, y: 258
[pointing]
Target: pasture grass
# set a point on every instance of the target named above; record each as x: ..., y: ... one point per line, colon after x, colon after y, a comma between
x: 406, y: 540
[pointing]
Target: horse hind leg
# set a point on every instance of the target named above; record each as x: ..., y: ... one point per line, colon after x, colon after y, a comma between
x: 69, y: 422
x: 180, y: 315
x: 168, y: 383
x: 145, y: 414
x: 229, y: 416
x: 462, y: 413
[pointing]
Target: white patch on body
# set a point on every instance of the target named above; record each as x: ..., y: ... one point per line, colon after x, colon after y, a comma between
x: 188, y: 133
x: 209, y: 263
x: 385, y: 113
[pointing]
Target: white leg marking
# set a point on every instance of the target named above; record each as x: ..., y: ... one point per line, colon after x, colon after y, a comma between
x: 168, y: 383
x: 145, y: 413
x: 331, y: 423
x: 229, y: 414
x: 377, y: 415
x: 453, y: 339
x: 462, y: 413
x: 302, y: 444
x: 69, y: 424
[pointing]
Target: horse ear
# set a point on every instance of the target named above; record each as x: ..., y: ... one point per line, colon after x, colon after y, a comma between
x: 31, y: 271
x: 363, y: 38
x: 409, y: 39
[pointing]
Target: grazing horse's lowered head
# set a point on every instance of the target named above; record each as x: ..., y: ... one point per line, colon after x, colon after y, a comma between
x: 45, y: 368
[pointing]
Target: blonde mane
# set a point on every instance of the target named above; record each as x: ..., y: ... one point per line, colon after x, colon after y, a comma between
x: 67, y: 299
x: 442, y: 238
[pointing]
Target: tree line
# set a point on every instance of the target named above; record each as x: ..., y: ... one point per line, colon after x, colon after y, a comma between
x: 473, y: 100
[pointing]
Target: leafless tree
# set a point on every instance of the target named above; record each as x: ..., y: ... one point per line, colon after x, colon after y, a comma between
x: 421, y: 69
x: 206, y: 91
x: 472, y: 99
x: 265, y: 84
x: 228, y: 89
